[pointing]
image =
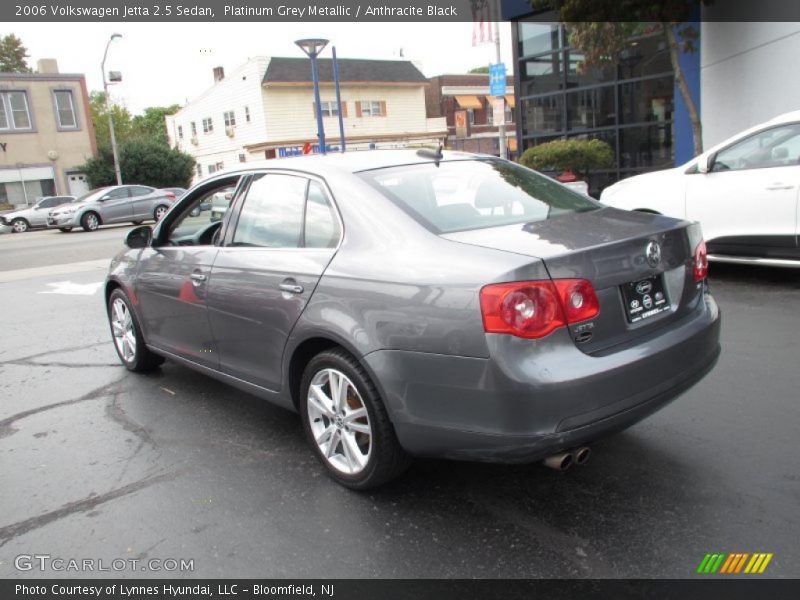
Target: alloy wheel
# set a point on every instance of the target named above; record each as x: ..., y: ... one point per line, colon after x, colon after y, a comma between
x: 91, y: 221
x: 339, y: 421
x: 160, y: 212
x: 122, y: 327
x: 19, y: 226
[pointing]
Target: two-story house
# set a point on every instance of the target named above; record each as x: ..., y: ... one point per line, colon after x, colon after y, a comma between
x: 46, y: 134
x: 265, y: 109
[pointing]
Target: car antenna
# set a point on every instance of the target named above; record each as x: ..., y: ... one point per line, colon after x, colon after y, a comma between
x: 435, y: 155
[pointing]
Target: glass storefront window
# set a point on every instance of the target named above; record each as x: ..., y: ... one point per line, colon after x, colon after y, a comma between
x: 580, y: 74
x: 535, y: 38
x: 543, y: 115
x: 591, y: 108
x: 646, y: 101
x: 541, y: 75
x: 649, y: 147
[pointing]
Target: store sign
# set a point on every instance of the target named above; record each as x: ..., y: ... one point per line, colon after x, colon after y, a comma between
x: 461, y: 123
x: 3, y: 146
x: 497, y: 79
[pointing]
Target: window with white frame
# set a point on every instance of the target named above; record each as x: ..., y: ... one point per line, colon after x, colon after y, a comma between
x: 242, y: 158
x: 329, y: 109
x: 247, y: 113
x: 215, y: 167
x: 194, y: 128
x: 65, y: 109
x: 208, y: 125
x: 230, y: 118
x: 371, y: 108
x: 180, y: 132
x: 14, y: 112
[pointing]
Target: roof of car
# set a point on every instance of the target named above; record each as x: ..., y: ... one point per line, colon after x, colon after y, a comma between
x: 349, y: 162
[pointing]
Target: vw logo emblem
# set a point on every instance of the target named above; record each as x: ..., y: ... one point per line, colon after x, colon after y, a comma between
x: 653, y: 254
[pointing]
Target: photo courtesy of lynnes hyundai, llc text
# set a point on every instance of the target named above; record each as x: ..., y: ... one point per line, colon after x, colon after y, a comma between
x: 420, y: 303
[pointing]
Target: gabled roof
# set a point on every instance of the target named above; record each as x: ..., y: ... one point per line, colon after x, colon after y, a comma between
x: 298, y: 70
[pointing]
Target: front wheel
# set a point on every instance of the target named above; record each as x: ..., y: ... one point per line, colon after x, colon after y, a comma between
x: 346, y: 423
x: 127, y: 335
x: 159, y: 212
x: 90, y: 222
x: 19, y: 226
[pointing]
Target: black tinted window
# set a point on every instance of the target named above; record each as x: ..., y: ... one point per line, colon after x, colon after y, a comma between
x: 474, y: 194
x: 322, y: 226
x: 272, y: 213
x: 48, y: 203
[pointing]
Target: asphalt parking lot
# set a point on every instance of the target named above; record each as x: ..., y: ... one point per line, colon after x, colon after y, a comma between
x: 100, y: 463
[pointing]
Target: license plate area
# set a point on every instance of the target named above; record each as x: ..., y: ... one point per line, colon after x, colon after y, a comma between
x: 644, y: 298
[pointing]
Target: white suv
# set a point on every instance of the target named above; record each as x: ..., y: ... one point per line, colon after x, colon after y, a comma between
x: 744, y: 193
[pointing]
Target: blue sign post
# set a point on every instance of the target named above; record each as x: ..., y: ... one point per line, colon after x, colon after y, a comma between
x: 497, y: 79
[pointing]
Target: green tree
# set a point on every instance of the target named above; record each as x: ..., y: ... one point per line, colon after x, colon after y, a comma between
x: 578, y: 156
x: 483, y: 70
x: 13, y: 55
x: 99, y: 112
x: 601, y: 30
x: 143, y: 161
x: 151, y: 124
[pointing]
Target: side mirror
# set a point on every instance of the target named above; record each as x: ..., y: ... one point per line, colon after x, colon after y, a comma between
x: 705, y: 164
x: 139, y: 237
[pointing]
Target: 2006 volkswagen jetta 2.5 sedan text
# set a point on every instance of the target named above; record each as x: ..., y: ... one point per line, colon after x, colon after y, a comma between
x: 418, y: 304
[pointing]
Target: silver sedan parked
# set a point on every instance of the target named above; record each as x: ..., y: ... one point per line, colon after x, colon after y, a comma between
x: 113, y: 204
x: 421, y: 304
x: 22, y: 219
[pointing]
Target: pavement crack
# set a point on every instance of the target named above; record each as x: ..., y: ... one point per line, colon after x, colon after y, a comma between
x: 9, y: 532
x: 6, y: 428
x: 28, y: 360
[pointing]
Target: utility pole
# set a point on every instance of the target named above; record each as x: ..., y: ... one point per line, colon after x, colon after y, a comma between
x: 502, y: 127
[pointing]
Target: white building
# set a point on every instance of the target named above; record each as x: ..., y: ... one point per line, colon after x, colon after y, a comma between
x: 265, y: 109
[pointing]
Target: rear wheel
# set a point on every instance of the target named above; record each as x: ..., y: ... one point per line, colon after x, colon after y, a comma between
x: 159, y: 212
x: 346, y: 423
x: 19, y: 226
x: 127, y: 335
x: 90, y: 221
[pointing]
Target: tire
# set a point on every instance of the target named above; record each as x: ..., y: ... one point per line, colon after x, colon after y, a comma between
x: 365, y: 452
x: 127, y: 335
x: 90, y: 221
x: 65, y: 229
x: 159, y: 212
x: 136, y: 222
x: 19, y: 225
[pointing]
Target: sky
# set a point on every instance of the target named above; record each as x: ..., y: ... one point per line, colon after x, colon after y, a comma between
x: 171, y: 63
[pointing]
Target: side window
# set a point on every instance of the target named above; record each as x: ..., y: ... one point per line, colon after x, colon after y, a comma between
x: 140, y: 190
x: 774, y: 147
x: 322, y: 227
x: 48, y: 203
x: 272, y: 213
x: 116, y: 194
x: 201, y: 218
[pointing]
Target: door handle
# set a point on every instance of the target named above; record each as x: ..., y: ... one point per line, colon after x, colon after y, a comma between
x: 780, y: 186
x: 292, y: 288
x: 197, y: 278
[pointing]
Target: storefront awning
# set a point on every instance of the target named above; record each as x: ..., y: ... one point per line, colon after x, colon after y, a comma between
x: 469, y: 102
x: 510, y: 100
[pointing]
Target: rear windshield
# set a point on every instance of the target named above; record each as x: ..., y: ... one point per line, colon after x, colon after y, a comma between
x: 473, y: 194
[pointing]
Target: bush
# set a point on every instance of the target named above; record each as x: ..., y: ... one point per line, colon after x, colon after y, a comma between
x: 142, y: 161
x: 578, y: 156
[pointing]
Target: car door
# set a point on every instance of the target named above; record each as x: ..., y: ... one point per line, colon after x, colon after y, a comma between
x: 115, y: 205
x: 748, y: 202
x: 142, y: 202
x: 286, y: 232
x: 173, y: 277
x: 38, y: 216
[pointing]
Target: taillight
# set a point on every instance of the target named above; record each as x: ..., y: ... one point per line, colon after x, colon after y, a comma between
x: 700, y: 264
x: 534, y: 309
x: 170, y: 195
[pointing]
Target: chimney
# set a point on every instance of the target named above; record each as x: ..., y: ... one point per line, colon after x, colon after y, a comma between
x: 219, y: 74
x: 47, y: 66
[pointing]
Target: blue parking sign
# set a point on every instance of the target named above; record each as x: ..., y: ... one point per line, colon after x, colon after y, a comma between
x: 497, y: 79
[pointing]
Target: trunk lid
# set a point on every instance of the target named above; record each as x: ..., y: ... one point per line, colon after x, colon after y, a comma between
x: 609, y: 247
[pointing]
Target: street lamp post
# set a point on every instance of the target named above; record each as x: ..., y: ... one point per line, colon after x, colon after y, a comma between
x: 312, y: 48
x: 108, y: 110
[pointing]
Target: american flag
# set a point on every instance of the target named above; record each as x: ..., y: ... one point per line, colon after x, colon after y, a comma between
x: 481, y: 22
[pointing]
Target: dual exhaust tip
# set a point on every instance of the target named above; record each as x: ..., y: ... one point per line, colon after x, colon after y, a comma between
x: 564, y: 460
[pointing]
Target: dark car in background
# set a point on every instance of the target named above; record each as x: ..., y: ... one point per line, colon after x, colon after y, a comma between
x: 22, y: 219
x: 112, y: 204
x: 420, y: 304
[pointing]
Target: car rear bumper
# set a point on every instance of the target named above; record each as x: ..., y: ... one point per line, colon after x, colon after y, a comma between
x: 542, y: 397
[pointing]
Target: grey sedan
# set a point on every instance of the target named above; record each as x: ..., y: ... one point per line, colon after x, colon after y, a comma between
x: 421, y: 304
x: 22, y: 219
x: 113, y: 204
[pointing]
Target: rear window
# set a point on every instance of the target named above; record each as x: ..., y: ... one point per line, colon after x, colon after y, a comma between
x: 474, y: 194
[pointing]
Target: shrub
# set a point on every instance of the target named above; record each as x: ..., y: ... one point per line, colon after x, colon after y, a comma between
x: 578, y: 156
